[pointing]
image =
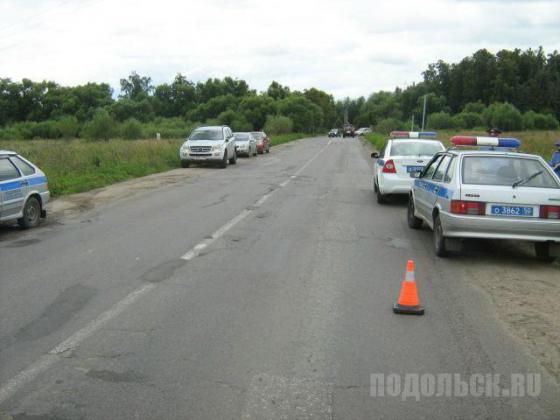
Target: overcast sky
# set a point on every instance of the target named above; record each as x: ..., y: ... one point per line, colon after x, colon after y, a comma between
x: 348, y: 48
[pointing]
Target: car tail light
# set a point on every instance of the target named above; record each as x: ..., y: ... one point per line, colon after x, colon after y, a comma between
x: 476, y: 208
x: 550, y: 212
x: 389, y: 167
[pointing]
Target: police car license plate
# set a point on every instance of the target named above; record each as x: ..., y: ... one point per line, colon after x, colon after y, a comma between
x: 410, y: 169
x: 517, y: 211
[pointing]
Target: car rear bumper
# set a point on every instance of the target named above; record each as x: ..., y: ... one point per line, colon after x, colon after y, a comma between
x: 394, y: 184
x: 260, y: 147
x: 488, y: 227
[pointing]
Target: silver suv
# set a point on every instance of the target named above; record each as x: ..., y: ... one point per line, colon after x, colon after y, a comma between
x: 24, y: 191
x: 210, y: 144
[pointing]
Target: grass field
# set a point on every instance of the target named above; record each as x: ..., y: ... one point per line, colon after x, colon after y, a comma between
x: 74, y: 166
x: 536, y: 142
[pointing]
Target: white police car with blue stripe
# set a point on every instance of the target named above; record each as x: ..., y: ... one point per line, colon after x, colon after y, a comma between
x: 493, y: 192
x: 24, y: 191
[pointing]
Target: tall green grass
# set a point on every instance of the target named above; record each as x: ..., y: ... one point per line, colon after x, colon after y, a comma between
x: 78, y: 165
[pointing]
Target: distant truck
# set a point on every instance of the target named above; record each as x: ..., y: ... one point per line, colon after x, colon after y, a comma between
x: 348, y: 131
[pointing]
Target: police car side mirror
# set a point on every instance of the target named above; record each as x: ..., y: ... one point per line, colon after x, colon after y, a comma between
x: 375, y: 155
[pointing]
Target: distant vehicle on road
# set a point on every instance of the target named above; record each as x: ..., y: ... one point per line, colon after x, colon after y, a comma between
x: 24, y: 191
x: 362, y: 131
x: 335, y: 132
x: 401, y: 160
x: 263, y: 142
x: 348, y: 131
x: 209, y: 144
x: 245, y: 144
x: 488, y: 194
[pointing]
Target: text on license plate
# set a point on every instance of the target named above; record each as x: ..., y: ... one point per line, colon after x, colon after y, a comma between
x: 410, y: 169
x: 520, y: 211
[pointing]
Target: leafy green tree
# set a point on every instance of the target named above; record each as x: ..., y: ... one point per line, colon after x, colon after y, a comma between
x: 136, y: 87
x: 277, y: 91
x: 256, y: 108
x: 307, y: 116
x: 68, y: 126
x: 386, y: 125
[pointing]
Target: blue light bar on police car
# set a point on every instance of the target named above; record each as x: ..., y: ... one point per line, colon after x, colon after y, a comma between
x: 412, y: 134
x: 506, y: 142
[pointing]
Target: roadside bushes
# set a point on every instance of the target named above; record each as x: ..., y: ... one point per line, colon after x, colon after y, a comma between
x: 101, y: 127
x: 278, y: 124
x: 441, y: 120
x: 503, y: 116
x: 131, y: 129
x: 533, y: 120
x: 386, y: 125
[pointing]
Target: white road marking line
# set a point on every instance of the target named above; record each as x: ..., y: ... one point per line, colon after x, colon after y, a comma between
x: 47, y: 360
x: 44, y: 362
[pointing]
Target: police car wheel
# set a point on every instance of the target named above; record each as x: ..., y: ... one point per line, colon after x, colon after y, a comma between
x: 542, y: 250
x: 31, y: 214
x: 439, y: 239
x: 413, y: 221
x: 381, y: 198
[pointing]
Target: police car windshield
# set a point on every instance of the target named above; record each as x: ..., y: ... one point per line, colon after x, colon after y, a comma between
x: 500, y: 170
x: 415, y: 148
x: 207, y: 134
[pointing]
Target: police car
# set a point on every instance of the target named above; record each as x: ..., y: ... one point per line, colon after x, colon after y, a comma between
x: 401, y: 160
x: 493, y: 192
x: 24, y: 191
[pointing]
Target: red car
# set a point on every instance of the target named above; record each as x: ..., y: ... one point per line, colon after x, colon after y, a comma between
x: 263, y: 143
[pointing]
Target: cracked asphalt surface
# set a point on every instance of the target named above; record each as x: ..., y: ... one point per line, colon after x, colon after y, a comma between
x: 285, y: 315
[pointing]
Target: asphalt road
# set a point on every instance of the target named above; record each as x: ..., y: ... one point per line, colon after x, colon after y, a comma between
x: 262, y: 291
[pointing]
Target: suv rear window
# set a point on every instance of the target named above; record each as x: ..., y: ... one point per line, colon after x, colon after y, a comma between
x: 415, y: 148
x: 500, y: 170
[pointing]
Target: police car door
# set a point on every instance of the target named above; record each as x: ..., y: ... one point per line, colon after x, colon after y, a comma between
x: 423, y: 186
x: 11, y: 189
x: 440, y: 194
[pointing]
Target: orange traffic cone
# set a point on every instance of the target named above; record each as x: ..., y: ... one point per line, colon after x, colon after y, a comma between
x: 408, y: 302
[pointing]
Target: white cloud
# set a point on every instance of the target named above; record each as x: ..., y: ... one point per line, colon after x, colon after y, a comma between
x: 345, y: 47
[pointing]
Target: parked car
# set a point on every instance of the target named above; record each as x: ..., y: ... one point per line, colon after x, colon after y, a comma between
x: 335, y: 132
x: 24, y: 191
x: 401, y: 160
x: 488, y: 194
x: 263, y: 142
x: 209, y: 144
x: 348, y: 131
x: 363, y: 130
x: 245, y: 144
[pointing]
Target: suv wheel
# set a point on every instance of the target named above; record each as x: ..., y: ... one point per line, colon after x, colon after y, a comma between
x: 413, y: 221
x: 184, y: 164
x: 439, y: 239
x: 542, y: 250
x: 31, y: 214
x: 233, y: 160
x: 224, y: 161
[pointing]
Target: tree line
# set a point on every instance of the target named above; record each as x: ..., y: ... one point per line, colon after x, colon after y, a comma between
x: 511, y: 90
x: 47, y: 110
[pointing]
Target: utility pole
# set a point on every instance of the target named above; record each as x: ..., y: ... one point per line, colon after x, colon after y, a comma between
x: 412, y: 123
x: 424, y: 112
